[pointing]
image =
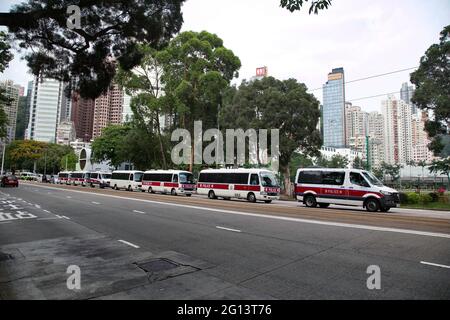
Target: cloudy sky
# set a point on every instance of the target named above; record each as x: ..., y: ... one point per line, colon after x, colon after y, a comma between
x: 365, y: 37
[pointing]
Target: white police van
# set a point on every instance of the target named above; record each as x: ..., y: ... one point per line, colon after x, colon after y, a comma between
x: 322, y: 187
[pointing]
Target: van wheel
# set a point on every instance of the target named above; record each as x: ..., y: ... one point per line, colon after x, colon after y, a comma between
x: 173, y: 192
x: 188, y: 195
x: 251, y: 197
x: 385, y: 209
x: 150, y: 190
x: 212, y: 195
x: 310, y: 201
x: 129, y: 188
x: 115, y: 187
x: 372, y: 205
x: 268, y: 201
x: 324, y: 205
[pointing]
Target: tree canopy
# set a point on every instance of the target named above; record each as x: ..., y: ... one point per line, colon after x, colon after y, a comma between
x: 108, y: 35
x: 432, y: 80
x: 295, y: 5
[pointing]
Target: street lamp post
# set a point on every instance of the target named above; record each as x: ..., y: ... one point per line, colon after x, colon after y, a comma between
x: 3, y: 158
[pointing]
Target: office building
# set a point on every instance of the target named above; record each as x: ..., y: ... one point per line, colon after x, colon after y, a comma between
x: 12, y: 93
x: 334, y: 131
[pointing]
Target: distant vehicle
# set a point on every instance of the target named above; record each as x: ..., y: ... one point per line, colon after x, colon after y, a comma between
x: 352, y: 187
x: 101, y: 179
x: 29, y: 176
x: 169, y: 181
x: 9, y: 181
x: 250, y: 184
x: 80, y: 178
x: 44, y: 178
x: 63, y: 177
x: 128, y: 180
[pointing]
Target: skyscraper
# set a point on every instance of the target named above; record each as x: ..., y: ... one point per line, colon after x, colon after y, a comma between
x: 406, y: 94
x: 334, y: 110
x: 11, y: 91
x: 46, y: 99
x: 82, y: 114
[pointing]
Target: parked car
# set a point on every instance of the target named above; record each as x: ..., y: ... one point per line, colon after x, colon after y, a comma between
x: 9, y: 181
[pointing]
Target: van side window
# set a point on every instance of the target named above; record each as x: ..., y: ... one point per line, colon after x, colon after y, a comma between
x: 357, y: 179
x: 335, y: 178
x: 131, y: 177
x: 310, y: 177
x: 175, y: 178
x: 254, y: 180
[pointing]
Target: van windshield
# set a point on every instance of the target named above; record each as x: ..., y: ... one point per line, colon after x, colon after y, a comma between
x: 186, y: 178
x: 372, y: 179
x: 106, y: 175
x: 138, y: 176
x: 268, y: 179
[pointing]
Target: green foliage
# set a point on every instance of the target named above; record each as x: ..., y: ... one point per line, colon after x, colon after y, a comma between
x: 441, y: 167
x: 316, y: 5
x: 359, y: 163
x: 393, y: 170
x: 432, y: 81
x: 107, y: 146
x: 413, y: 198
x: 425, y: 199
x: 5, y: 53
x: 336, y: 161
x: 109, y: 34
x: 299, y: 160
x: 25, y: 154
x: 275, y: 104
x: 68, y: 162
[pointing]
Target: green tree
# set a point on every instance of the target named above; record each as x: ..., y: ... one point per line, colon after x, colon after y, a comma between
x: 52, y: 159
x: 5, y: 57
x: 441, y: 167
x: 316, y: 5
x: 359, y: 163
x: 108, y: 35
x: 393, y: 170
x: 275, y: 104
x: 22, y: 154
x: 197, y: 70
x: 107, y: 147
x: 149, y: 101
x: 68, y: 162
x: 432, y: 80
x: 339, y: 161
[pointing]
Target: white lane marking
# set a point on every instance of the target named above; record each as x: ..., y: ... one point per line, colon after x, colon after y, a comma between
x: 46, y: 211
x: 96, y: 202
x: 57, y: 218
x: 64, y: 217
x: 68, y: 197
x: 259, y: 215
x: 5, y: 222
x: 129, y: 244
x: 228, y: 229
x: 37, y: 206
x: 435, y: 264
x: 137, y: 211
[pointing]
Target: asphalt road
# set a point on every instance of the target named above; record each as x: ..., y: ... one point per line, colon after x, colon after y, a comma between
x: 212, y: 249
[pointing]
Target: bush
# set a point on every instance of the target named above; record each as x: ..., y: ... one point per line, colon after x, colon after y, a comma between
x: 413, y: 198
x: 403, y: 198
x: 425, y: 198
x: 434, y: 196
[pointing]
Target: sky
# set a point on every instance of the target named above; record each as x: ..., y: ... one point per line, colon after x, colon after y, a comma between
x: 365, y: 37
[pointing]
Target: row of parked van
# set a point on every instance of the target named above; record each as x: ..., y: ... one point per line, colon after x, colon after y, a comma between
x: 315, y: 187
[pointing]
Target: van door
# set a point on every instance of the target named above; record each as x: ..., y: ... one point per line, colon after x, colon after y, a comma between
x: 333, y: 188
x: 357, y: 188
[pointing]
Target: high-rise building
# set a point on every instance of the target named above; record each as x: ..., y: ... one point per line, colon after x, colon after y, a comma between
x: 65, y: 134
x: 110, y: 108
x: 82, y: 115
x: 11, y: 92
x: 46, y: 98
x: 406, y: 94
x: 355, y: 122
x: 404, y: 122
x: 334, y: 110
x: 389, y: 109
x: 66, y: 105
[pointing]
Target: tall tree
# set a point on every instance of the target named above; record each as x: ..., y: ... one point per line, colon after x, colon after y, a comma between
x: 5, y: 57
x: 442, y: 167
x: 148, y: 102
x: 108, y: 34
x: 23, y: 153
x: 432, y: 81
x: 316, y: 5
x: 197, y: 70
x: 275, y: 104
x: 107, y: 146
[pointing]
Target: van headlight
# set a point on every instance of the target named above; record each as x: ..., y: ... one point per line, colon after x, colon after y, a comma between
x: 263, y: 193
x: 386, y: 193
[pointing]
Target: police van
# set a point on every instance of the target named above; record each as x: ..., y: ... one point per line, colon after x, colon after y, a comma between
x: 322, y: 187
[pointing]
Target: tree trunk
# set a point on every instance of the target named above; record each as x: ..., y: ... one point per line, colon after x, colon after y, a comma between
x: 287, y: 180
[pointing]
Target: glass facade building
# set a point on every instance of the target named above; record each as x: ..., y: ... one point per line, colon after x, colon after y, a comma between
x: 334, y: 110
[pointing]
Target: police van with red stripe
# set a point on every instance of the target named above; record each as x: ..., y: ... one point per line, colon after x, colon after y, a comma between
x: 250, y: 184
x: 322, y: 187
x: 169, y: 181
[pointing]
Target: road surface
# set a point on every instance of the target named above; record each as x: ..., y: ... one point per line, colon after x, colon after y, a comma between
x: 132, y: 245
